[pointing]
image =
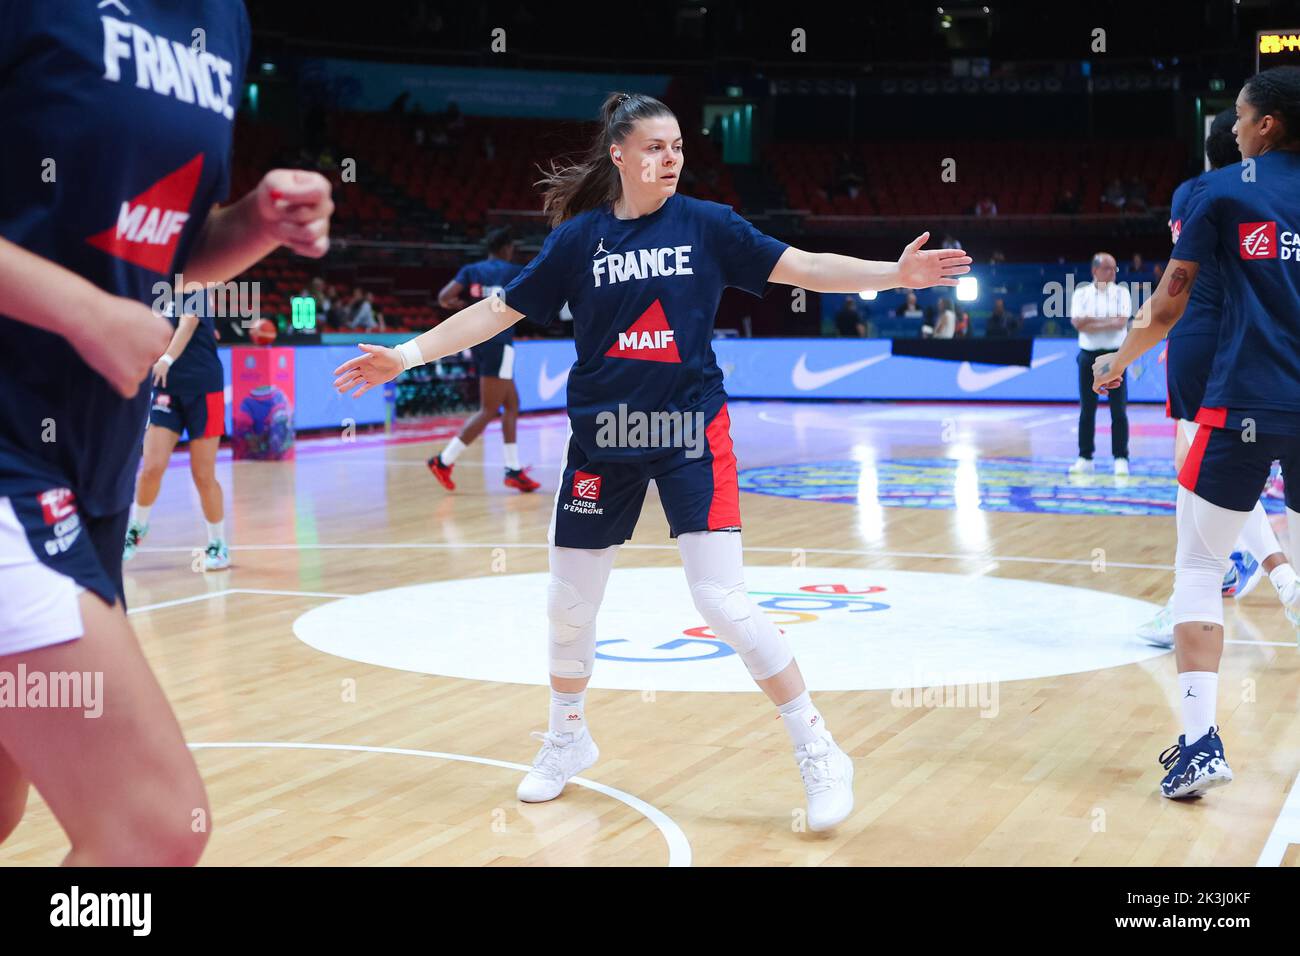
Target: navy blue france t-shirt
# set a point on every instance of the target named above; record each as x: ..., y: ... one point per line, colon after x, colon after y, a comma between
x: 198, y: 371
x: 644, y: 294
x: 117, y: 121
x: 1248, y: 216
x: 487, y: 278
x: 1205, y: 303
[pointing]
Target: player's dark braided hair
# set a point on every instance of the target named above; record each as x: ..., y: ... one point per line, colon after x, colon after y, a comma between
x: 498, y: 239
x: 1276, y: 93
x: 593, y: 181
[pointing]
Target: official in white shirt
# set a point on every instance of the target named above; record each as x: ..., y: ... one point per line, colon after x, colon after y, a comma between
x: 1100, y: 310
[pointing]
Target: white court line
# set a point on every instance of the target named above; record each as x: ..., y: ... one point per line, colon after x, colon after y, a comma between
x: 679, y: 848
x: 1286, y: 830
x: 858, y: 552
x: 212, y: 594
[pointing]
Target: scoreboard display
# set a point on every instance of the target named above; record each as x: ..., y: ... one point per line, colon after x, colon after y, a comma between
x: 1277, y: 48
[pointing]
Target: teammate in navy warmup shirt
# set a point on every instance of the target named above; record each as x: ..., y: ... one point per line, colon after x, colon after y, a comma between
x: 643, y: 269
x: 117, y: 128
x: 188, y: 399
x: 495, y: 359
x: 1189, y: 355
x: 1245, y: 218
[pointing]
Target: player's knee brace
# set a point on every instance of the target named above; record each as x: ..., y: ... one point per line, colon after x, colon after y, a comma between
x: 1205, y: 536
x: 732, y: 617
x: 573, y: 629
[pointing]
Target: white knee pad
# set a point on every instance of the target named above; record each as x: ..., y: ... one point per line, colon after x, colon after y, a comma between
x: 734, y: 620
x: 1206, y: 533
x: 573, y: 629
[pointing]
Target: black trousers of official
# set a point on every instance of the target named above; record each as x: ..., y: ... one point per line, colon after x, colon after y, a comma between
x: 1118, y: 398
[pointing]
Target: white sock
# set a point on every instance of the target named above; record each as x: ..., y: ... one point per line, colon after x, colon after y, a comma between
x: 803, y: 722
x: 512, y: 456
x: 216, y: 531
x: 1285, y: 583
x: 1199, y: 690
x: 567, y: 716
x: 140, y: 513
x: 452, y: 451
x: 1256, y: 535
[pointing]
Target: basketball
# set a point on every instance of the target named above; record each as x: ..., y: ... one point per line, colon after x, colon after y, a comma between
x: 263, y: 333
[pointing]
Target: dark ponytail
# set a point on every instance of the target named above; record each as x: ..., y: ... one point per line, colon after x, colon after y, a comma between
x: 593, y: 181
x: 1221, y: 146
x: 1276, y: 93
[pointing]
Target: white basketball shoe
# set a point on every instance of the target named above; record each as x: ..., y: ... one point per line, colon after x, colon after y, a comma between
x: 563, y: 755
x: 827, y: 773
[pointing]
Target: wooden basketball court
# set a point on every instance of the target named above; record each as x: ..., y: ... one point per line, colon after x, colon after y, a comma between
x: 313, y: 758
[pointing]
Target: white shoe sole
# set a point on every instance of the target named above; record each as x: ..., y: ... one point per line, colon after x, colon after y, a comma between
x: 1220, y: 779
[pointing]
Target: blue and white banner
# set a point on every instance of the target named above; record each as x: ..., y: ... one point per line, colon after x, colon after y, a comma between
x: 316, y: 403
x: 854, y: 368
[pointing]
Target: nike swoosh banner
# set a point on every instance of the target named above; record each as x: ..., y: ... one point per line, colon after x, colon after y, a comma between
x: 1023, y: 370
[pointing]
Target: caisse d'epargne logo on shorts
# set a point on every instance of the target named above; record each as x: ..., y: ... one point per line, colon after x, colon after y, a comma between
x: 59, y: 509
x: 586, y: 492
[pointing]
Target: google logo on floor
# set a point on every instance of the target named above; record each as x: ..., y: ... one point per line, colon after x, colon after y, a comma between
x: 786, y: 608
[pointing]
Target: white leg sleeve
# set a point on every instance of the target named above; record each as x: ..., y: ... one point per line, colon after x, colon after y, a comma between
x: 1293, y: 532
x: 715, y: 572
x: 1257, y: 535
x: 577, y: 586
x: 1205, y: 536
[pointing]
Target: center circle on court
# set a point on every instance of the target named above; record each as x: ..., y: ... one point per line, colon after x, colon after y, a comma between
x: 849, y: 629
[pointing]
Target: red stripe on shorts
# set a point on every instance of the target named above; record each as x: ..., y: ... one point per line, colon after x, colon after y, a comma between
x: 724, y: 510
x: 1191, y: 469
x: 1214, y: 417
x: 216, y: 425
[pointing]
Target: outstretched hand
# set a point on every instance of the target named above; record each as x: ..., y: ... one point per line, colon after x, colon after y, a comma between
x: 375, y: 366
x: 921, y: 268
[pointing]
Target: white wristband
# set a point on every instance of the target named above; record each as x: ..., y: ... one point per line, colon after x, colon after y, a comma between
x: 166, y: 358
x: 410, y: 353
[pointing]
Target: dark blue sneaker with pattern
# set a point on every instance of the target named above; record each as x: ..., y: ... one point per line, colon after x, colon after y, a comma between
x: 1195, y: 769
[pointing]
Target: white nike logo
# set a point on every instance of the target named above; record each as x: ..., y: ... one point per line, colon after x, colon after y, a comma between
x: 807, y: 380
x: 969, y: 380
x: 548, y: 385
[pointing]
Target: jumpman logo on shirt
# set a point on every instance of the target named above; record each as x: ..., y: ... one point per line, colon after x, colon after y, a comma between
x: 1188, y: 694
x: 600, y: 247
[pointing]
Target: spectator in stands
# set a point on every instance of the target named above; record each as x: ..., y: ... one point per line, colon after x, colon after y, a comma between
x: 1114, y: 196
x: 950, y: 242
x: 1067, y: 204
x: 1002, y: 324
x: 1100, y: 310
x: 963, y: 325
x: 986, y: 207
x: 945, y: 325
x: 909, y: 309
x: 361, y: 311
x: 1136, y: 265
x: 849, y: 319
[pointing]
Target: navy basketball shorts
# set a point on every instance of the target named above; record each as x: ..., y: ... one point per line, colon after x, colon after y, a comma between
x: 49, y: 553
x: 1228, y: 471
x: 1187, y: 371
x: 494, y: 359
x: 194, y: 414
x: 597, y: 503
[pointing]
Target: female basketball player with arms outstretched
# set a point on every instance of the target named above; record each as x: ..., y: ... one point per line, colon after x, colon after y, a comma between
x: 643, y: 269
x: 1245, y: 220
x: 117, y: 145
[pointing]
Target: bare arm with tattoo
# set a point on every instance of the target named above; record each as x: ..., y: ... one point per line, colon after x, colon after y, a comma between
x: 1158, y: 315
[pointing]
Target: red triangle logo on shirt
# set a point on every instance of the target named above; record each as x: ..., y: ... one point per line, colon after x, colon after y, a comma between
x: 650, y: 338
x: 149, y: 226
